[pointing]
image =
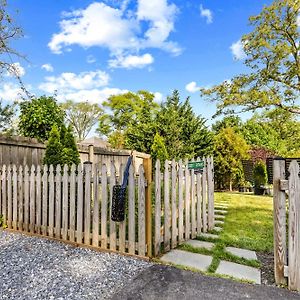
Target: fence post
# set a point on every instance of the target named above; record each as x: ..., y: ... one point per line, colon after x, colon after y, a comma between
x: 91, y: 153
x: 279, y: 214
x: 210, y: 198
x: 147, y: 162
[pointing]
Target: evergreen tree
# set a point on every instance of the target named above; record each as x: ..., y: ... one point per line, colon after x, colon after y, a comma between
x: 158, y: 149
x: 70, y: 154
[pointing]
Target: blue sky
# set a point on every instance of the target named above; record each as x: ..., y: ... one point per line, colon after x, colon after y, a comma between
x: 87, y: 50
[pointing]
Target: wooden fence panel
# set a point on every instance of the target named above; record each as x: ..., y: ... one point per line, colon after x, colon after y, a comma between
x: 4, y: 194
x: 180, y: 202
x: 167, y: 207
x: 32, y: 199
x: 15, y: 196
x: 131, y: 211
x: 122, y: 225
x: 65, y: 200
x: 210, y: 193
x: 45, y: 198
x: 204, y: 191
x: 51, y: 185
x: 20, y: 198
x: 26, y: 198
x: 157, y: 235
x: 79, y: 223
x: 87, y: 203
x: 199, y: 201
x: 38, y: 200
x: 104, y: 204
x: 9, y: 197
x: 58, y: 202
x: 96, y: 207
x: 72, y: 217
x: 141, y: 213
x: 112, y: 224
x: 193, y: 205
x: 187, y: 202
x: 174, y: 206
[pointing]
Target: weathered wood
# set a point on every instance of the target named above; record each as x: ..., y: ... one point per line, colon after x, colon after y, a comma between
x: 38, y: 200
x: 95, y: 241
x: 51, y: 185
x: 9, y: 197
x: 284, y: 185
x: 187, y: 202
x: 122, y: 225
x: 199, y: 201
x: 58, y: 202
x: 157, y: 237
x: 279, y: 214
x: 193, y: 205
x: 72, y: 202
x: 20, y: 198
x: 174, y: 206
x: 141, y: 212
x: 15, y: 197
x: 104, y: 204
x: 131, y: 211
x: 180, y: 202
x: 32, y: 199
x: 112, y: 224
x: 87, y: 202
x: 4, y: 194
x: 65, y: 202
x: 45, y: 200
x: 26, y: 198
x: 79, y: 223
x: 210, y: 193
x: 166, y: 207
x: 204, y: 196
x: 294, y: 227
x: 147, y: 164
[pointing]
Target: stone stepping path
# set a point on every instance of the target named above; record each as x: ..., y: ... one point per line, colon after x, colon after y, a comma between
x: 219, y: 222
x: 239, y: 271
x: 188, y: 259
x: 243, y: 253
x: 200, y: 244
x: 209, y: 235
x: 218, y: 229
x: 219, y: 217
x: 221, y: 211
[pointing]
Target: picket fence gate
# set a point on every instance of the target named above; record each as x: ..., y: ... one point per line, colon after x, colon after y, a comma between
x: 286, y: 232
x: 73, y: 205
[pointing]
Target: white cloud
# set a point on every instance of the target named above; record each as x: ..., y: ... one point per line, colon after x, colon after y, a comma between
x: 158, y: 97
x: 192, y: 87
x: 237, y: 50
x: 70, y: 81
x: 298, y: 21
x: 206, y: 13
x: 11, y: 92
x: 131, y: 61
x: 122, y: 31
x: 90, y: 59
x: 15, y: 69
x: 47, y: 67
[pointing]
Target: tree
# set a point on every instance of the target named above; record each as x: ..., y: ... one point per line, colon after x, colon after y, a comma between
x: 158, y: 149
x: 54, y: 149
x: 6, y: 117
x: 229, y: 150
x: 37, y: 117
x: 70, y: 153
x: 272, y: 56
x: 82, y: 116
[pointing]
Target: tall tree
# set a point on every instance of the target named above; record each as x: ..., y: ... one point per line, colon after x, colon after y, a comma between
x: 6, y: 117
x: 37, y: 117
x: 83, y: 116
x: 272, y: 56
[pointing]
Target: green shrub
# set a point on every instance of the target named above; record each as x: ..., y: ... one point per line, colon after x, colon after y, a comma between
x: 260, y: 175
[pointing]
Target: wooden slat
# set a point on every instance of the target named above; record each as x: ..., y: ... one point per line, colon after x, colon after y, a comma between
x: 87, y: 202
x: 157, y: 237
x: 51, y: 202
x: 180, y: 202
x: 199, y: 201
x: 131, y: 211
x: 45, y: 201
x: 15, y: 197
x: 104, y: 204
x: 26, y: 198
x: 193, y: 204
x: 174, y: 206
x: 38, y: 200
x: 58, y: 202
x: 167, y: 207
x: 4, y: 193
x: 20, y: 198
x: 141, y: 212
x: 210, y: 194
x: 122, y: 225
x: 32, y: 199
x: 95, y: 241
x: 79, y: 225
x: 65, y: 200
x: 187, y: 202
x: 112, y: 224
x: 73, y: 202
x: 9, y: 197
x: 294, y: 227
x: 204, y: 195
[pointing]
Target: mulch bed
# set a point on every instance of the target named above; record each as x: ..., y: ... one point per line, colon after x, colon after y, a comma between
x: 267, y: 268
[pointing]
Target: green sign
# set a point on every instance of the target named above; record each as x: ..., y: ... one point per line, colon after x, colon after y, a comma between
x: 196, y: 165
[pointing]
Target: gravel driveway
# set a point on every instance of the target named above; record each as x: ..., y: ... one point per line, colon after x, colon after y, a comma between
x: 34, y: 268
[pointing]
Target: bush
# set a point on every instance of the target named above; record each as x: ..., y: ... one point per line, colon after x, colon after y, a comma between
x: 260, y: 175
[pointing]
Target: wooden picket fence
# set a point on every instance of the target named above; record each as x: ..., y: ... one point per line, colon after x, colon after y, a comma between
x: 184, y: 203
x: 286, y: 232
x: 73, y: 205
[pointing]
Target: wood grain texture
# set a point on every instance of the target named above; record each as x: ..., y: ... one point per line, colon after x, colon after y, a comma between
x: 26, y: 198
x: 32, y: 199
x: 131, y: 211
x: 15, y: 197
x: 72, y: 209
x: 122, y: 225
x: 180, y: 202
x: 193, y: 204
x: 112, y: 224
x: 79, y: 223
x: 87, y: 203
x: 187, y: 202
x: 95, y: 241
x: 204, y: 196
x: 167, y: 207
x: 104, y: 204
x: 51, y: 185
x: 210, y: 193
x: 174, y: 230
x: 157, y: 233
x: 38, y: 199
x: 20, y: 198
x: 65, y: 202
x: 58, y: 202
x: 141, y: 213
x: 45, y: 198
x: 199, y: 201
x: 4, y: 193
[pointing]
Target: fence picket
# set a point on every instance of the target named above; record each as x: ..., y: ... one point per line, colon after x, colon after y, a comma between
x: 15, y: 197
x: 199, y: 201
x: 72, y: 202
x: 104, y: 207
x: 174, y: 208
x: 187, y: 202
x: 180, y: 203
x: 95, y: 236
x: 26, y: 198
x: 4, y: 194
x: 131, y: 211
x: 141, y: 212
x: 122, y: 225
x: 210, y: 193
x: 193, y: 204
x: 32, y: 199
x: 166, y: 207
x: 87, y: 202
x: 9, y: 197
x: 204, y: 191
x: 45, y: 198
x: 112, y: 224
x: 38, y: 200
x: 157, y: 237
x: 79, y: 225
x: 20, y: 198
x: 58, y: 202
x: 51, y: 202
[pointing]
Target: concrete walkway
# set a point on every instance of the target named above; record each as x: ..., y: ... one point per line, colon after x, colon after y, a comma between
x: 169, y: 283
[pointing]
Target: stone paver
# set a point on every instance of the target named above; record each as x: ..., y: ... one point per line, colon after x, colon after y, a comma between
x: 200, y: 244
x: 239, y: 271
x: 219, y: 217
x: 244, y: 253
x: 192, y: 260
x: 221, y: 207
x: 218, y: 229
x: 219, y: 222
x: 209, y: 235
x: 220, y: 211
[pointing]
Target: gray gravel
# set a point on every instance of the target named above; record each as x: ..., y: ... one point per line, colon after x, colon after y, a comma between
x: 34, y: 268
